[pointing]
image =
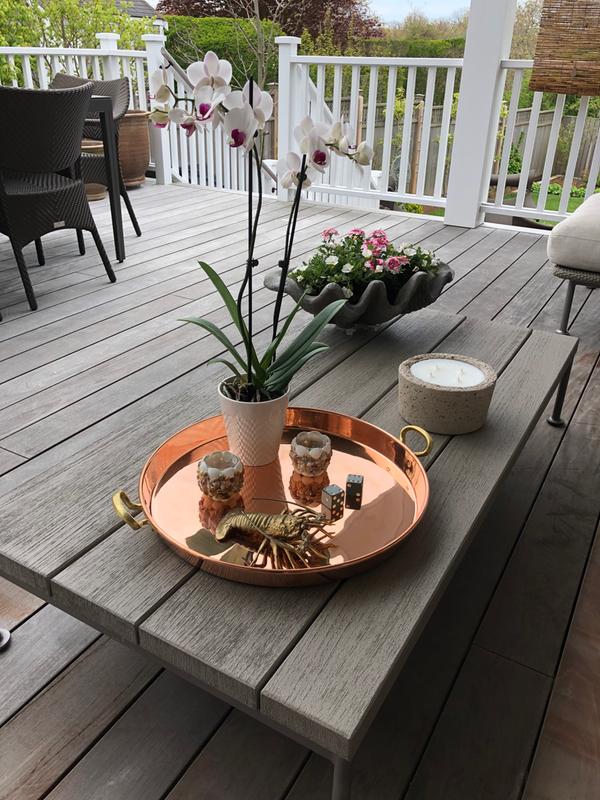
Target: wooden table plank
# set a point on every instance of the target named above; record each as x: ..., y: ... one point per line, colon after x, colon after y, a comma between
x: 493, y: 344
x: 9, y: 460
x: 367, y: 628
x: 55, y: 729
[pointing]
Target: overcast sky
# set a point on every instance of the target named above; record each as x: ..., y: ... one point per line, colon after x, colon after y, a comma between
x: 392, y: 10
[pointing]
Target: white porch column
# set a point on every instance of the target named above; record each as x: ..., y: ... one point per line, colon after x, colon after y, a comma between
x: 288, y: 47
x: 489, y: 37
x: 110, y: 63
x: 159, y: 137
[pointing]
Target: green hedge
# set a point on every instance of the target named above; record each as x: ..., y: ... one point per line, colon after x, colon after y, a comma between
x: 188, y: 38
x: 415, y: 48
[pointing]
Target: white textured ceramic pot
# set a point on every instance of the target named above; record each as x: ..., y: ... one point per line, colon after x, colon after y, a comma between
x: 254, y: 430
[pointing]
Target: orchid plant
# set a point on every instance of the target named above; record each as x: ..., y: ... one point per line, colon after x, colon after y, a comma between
x: 243, y: 114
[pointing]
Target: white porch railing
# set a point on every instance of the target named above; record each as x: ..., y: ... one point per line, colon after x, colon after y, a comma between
x: 523, y: 203
x: 429, y: 150
x: 368, y: 92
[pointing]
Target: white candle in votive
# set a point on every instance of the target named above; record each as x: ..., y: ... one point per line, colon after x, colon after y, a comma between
x: 447, y: 372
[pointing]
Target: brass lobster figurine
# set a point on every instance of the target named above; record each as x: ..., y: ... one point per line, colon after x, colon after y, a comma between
x: 291, y: 539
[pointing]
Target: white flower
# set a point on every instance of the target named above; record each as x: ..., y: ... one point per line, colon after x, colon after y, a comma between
x: 347, y: 268
x: 288, y: 171
x: 160, y: 117
x: 212, y: 71
x: 310, y: 138
x: 262, y: 102
x: 379, y: 268
x: 184, y: 119
x: 346, y: 291
x: 207, y: 103
x: 340, y: 137
x: 240, y: 126
x: 364, y: 154
x: 331, y: 260
x: 301, y: 268
x: 159, y: 90
x: 410, y: 251
x: 366, y: 252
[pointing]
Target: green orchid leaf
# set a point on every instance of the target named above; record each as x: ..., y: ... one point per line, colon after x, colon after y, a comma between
x: 283, y: 380
x: 272, y: 348
x: 231, y: 366
x: 219, y: 335
x: 231, y: 306
x: 308, y: 348
x: 309, y: 333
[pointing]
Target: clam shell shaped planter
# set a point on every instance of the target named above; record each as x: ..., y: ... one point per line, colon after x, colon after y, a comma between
x: 373, y: 308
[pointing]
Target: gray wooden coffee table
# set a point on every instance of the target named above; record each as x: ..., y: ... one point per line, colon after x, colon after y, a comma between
x: 317, y: 663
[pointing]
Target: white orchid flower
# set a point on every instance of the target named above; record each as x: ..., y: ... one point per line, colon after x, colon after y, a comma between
x: 310, y: 138
x: 207, y: 102
x: 288, y: 171
x: 364, y: 154
x: 211, y: 71
x: 305, y: 129
x: 340, y: 137
x: 160, y: 117
x: 262, y: 102
x: 184, y: 119
x: 240, y: 126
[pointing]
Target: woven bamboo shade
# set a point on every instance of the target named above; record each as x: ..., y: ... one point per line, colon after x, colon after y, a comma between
x: 567, y: 56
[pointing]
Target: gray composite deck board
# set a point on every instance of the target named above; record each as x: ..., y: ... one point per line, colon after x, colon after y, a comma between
x: 74, y: 449
x: 60, y: 723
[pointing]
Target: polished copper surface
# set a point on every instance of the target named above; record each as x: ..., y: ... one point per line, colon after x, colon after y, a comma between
x: 396, y: 492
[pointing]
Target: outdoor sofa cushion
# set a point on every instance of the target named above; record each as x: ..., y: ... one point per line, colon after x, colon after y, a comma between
x: 575, y: 242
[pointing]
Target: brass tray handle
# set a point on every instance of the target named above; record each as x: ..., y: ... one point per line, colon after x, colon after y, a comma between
x: 124, y: 506
x: 423, y: 433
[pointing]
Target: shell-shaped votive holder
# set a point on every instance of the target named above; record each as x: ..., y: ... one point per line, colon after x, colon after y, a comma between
x: 220, y: 474
x: 310, y: 452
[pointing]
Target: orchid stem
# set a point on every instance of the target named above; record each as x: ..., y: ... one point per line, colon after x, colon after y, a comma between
x: 289, y: 243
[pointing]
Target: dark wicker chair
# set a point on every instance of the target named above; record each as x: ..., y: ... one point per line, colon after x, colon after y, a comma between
x: 92, y: 165
x: 40, y: 143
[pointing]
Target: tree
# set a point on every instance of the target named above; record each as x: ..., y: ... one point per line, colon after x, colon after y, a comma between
x: 417, y: 25
x: 349, y: 17
x: 527, y: 25
x: 67, y: 23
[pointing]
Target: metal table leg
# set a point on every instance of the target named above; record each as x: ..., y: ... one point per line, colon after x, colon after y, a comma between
x: 342, y: 779
x: 555, y: 418
x: 112, y: 166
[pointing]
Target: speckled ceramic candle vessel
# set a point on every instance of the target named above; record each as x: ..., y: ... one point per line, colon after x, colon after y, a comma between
x: 444, y: 409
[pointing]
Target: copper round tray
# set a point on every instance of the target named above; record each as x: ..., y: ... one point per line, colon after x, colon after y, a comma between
x: 395, y: 495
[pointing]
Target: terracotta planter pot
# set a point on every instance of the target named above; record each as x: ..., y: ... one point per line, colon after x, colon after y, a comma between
x: 254, y: 430
x: 134, y: 147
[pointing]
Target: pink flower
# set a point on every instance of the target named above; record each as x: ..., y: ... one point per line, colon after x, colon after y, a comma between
x: 394, y: 263
x: 371, y: 265
x: 357, y: 232
x: 380, y: 236
x: 329, y: 233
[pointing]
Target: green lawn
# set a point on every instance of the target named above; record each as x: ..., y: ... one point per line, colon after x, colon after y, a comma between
x: 552, y: 203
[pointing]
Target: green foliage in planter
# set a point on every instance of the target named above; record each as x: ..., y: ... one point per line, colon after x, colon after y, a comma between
x: 235, y: 40
x: 266, y: 377
x: 356, y: 259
